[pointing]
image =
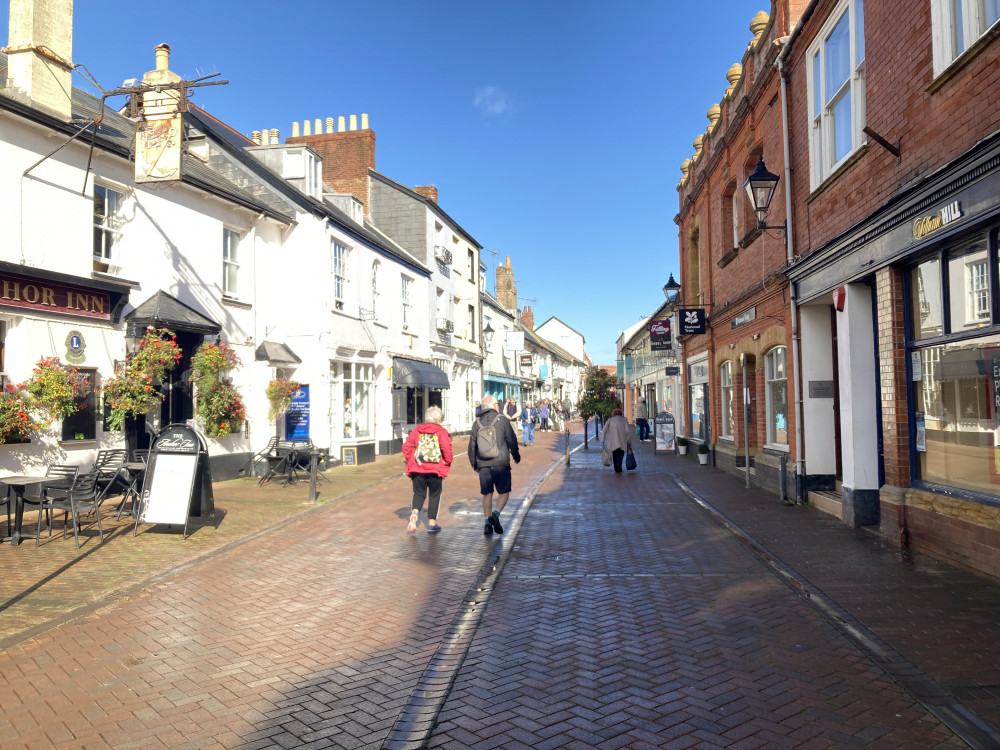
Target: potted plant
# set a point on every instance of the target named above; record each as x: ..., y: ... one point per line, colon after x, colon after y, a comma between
x: 703, y: 451
x: 55, y: 389
x: 682, y: 446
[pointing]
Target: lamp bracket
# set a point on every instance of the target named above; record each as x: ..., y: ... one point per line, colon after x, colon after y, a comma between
x: 892, y: 148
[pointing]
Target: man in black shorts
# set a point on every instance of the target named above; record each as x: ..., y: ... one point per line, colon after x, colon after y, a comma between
x: 494, y: 473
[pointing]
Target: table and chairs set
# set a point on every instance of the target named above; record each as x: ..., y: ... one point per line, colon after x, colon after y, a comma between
x: 288, y: 459
x: 76, y: 491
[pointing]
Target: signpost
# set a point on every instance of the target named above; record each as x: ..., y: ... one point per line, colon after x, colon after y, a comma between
x: 663, y: 432
x: 169, y: 483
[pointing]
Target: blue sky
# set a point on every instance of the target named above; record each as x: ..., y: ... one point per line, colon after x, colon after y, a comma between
x: 554, y: 131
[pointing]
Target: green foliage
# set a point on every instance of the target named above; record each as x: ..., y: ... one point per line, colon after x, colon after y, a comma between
x: 218, y: 404
x: 130, y: 392
x: 703, y: 448
x: 55, y: 389
x: 681, y: 441
x: 279, y: 396
x: 598, y: 394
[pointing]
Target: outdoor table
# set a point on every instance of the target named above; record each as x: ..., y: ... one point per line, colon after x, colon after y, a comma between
x: 19, y: 484
x: 134, y: 471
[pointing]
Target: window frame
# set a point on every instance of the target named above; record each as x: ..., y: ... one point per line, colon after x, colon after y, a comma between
x: 770, y: 382
x: 405, y: 301
x: 974, y: 25
x: 339, y: 266
x: 376, y: 267
x: 109, y: 226
x: 230, y: 263
x: 726, y: 415
x: 823, y: 159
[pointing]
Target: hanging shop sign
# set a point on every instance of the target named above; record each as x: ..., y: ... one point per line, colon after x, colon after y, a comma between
x: 525, y: 361
x: 659, y: 335
x: 692, y: 321
x: 513, y: 341
x: 51, y: 297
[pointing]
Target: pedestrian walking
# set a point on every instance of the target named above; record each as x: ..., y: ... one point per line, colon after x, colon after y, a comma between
x: 642, y: 420
x: 529, y: 417
x: 543, y: 415
x: 491, y: 446
x: 617, y: 438
x: 479, y: 408
x: 428, y: 455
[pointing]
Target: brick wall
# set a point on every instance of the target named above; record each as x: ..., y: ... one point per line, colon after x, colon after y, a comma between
x: 892, y: 374
x: 347, y: 157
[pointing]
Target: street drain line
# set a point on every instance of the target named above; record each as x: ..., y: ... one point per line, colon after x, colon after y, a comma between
x: 418, y: 717
x: 959, y: 718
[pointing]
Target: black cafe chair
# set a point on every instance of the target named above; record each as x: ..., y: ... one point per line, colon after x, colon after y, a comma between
x: 82, y: 495
x: 58, y: 477
x: 108, y: 467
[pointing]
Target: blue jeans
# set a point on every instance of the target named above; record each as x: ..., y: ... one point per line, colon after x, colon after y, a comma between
x: 643, y: 428
x: 529, y: 433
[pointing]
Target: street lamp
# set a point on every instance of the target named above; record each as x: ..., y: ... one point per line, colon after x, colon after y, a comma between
x: 488, y: 336
x: 671, y: 290
x: 760, y: 190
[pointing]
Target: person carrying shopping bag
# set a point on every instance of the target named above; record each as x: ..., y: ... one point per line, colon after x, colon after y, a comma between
x: 617, y: 438
x: 428, y: 455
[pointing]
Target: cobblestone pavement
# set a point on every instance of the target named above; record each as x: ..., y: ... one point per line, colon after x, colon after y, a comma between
x: 620, y: 614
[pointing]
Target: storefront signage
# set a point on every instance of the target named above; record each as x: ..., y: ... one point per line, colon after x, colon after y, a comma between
x: 525, y: 361
x: 927, y: 224
x: 297, y: 416
x: 673, y: 370
x: 692, y: 321
x: 48, y: 296
x: 513, y: 341
x: 659, y: 335
x: 743, y: 318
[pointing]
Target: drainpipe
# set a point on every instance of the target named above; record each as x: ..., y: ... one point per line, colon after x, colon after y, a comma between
x: 789, y: 259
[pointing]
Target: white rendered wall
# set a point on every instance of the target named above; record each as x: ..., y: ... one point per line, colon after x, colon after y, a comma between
x: 858, y: 380
x: 818, y: 416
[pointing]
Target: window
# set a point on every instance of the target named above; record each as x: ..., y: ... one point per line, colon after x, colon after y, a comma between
x: 108, y: 221
x: 439, y: 397
x: 375, y: 270
x: 82, y: 424
x: 407, y: 311
x: 969, y: 285
x: 726, y: 387
x: 735, y: 201
x: 339, y: 258
x: 776, y: 384
x: 698, y: 400
x: 358, y: 390
x: 472, y: 323
x: 958, y: 25
x: 230, y: 262
x: 836, y: 75
x: 472, y: 266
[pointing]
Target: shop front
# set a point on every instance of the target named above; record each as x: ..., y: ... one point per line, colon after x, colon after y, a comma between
x: 906, y: 305
x: 416, y: 385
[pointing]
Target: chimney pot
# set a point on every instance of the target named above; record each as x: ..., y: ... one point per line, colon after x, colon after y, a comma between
x: 255, y: 137
x: 329, y: 124
x: 364, y: 121
x: 318, y: 126
x: 163, y: 57
x: 275, y: 139
x: 295, y: 129
x: 306, y: 128
x: 341, y: 127
x: 354, y: 122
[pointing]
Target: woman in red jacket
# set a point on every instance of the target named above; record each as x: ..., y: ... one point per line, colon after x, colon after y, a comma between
x: 428, y: 455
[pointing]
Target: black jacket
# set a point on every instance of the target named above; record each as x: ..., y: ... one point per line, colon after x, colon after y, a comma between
x: 508, y: 441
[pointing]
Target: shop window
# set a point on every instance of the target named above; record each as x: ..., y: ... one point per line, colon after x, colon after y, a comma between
x: 82, y: 425
x: 968, y: 286
x: 726, y: 393
x: 957, y: 25
x: 776, y: 392
x: 926, y: 311
x: 358, y: 391
x: 698, y: 400
x: 836, y: 81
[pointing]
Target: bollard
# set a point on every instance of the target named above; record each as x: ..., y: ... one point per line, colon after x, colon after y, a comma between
x: 586, y: 441
x: 567, y: 446
x: 312, y: 475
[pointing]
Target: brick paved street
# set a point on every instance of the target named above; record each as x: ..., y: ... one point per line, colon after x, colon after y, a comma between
x: 620, y: 614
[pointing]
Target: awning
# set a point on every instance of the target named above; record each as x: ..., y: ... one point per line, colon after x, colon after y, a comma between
x: 276, y: 354
x: 165, y: 310
x: 411, y: 373
x: 491, y: 378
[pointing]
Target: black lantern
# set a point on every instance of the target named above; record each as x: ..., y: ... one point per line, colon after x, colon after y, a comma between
x: 760, y: 189
x: 671, y: 290
x: 488, y: 335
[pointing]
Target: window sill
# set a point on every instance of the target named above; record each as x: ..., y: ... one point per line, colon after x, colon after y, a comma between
x: 235, y: 302
x: 776, y: 448
x: 836, y: 174
x: 958, y: 64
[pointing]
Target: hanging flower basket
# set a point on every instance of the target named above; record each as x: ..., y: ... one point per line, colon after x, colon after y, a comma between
x: 130, y: 392
x: 218, y: 404
x: 55, y: 389
x: 279, y: 396
x: 16, y: 424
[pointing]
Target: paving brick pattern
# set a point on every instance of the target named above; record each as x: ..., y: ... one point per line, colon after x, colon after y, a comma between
x: 624, y: 616
x: 627, y: 618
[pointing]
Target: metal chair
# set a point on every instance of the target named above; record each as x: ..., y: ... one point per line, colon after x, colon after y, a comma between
x: 61, y: 477
x: 108, y: 468
x: 250, y: 465
x: 81, y: 495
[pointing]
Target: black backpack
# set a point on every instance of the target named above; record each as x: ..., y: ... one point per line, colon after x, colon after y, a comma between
x: 487, y: 444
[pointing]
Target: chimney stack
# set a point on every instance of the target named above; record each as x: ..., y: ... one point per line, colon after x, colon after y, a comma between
x: 347, y: 154
x: 428, y: 191
x: 40, y: 53
x: 506, y: 293
x: 528, y: 318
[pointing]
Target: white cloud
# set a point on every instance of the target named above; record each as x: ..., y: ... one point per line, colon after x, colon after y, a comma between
x: 492, y: 101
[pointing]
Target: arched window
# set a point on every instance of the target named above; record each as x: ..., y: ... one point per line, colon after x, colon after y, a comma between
x: 776, y: 391
x: 726, y: 388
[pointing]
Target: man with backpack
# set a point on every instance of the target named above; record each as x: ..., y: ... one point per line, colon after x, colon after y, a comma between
x: 491, y: 445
